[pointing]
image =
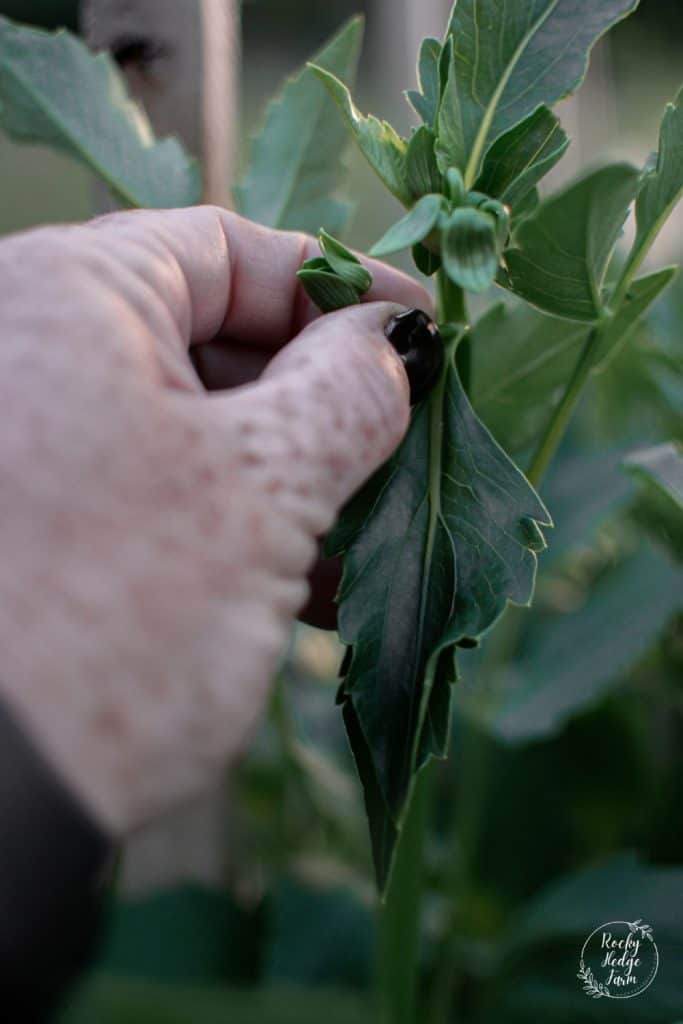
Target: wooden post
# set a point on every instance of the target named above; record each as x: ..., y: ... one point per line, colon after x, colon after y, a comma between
x: 181, y: 61
x: 220, y: 77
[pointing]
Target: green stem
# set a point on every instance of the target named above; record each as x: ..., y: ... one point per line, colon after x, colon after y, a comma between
x: 630, y: 271
x: 469, y: 801
x: 641, y: 248
x: 453, y: 310
x: 452, y: 307
x: 559, y: 422
x: 399, y: 926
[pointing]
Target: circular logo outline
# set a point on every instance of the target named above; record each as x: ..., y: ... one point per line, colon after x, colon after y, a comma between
x: 597, y: 990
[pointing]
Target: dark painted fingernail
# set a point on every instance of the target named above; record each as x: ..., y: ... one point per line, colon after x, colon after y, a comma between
x: 417, y: 340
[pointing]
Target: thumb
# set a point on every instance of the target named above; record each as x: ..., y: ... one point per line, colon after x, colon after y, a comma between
x: 329, y: 409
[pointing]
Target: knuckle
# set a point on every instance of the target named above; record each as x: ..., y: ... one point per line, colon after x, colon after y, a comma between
x: 214, y: 217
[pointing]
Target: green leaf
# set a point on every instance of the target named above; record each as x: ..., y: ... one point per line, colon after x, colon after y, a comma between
x: 525, y: 208
x: 470, y: 250
x: 318, y: 935
x: 435, y: 545
x: 53, y: 91
x: 522, y: 360
x: 426, y: 261
x: 325, y: 288
x: 561, y: 253
x: 662, y: 184
x: 661, y: 467
x: 659, y: 510
x: 620, y: 888
x: 445, y: 66
x: 640, y: 397
x: 384, y: 150
x: 501, y: 215
x: 582, y: 655
x: 509, y: 864
x: 585, y: 490
x: 522, y: 157
x: 337, y: 279
x: 413, y: 228
x: 510, y: 59
x: 344, y: 263
x: 456, y: 186
x: 642, y: 294
x: 188, y: 935
x: 426, y: 101
x: 422, y: 171
x: 451, y: 147
x: 294, y: 163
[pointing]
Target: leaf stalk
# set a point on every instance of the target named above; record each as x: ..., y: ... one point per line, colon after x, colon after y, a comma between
x: 561, y: 418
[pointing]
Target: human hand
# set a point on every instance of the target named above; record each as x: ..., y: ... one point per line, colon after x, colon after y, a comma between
x: 155, y: 538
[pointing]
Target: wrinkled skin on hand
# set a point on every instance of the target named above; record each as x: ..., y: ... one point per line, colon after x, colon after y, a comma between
x: 156, y: 539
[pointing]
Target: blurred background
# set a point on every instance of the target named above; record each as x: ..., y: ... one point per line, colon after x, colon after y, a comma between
x: 634, y: 72
x: 561, y: 804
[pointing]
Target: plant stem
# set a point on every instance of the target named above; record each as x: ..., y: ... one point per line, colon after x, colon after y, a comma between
x: 399, y: 931
x: 453, y: 310
x: 640, y: 250
x: 451, y: 304
x: 559, y: 422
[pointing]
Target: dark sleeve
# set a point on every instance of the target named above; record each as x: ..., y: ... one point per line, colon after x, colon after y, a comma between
x: 53, y: 866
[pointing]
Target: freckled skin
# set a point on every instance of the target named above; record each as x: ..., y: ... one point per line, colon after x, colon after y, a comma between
x: 156, y: 539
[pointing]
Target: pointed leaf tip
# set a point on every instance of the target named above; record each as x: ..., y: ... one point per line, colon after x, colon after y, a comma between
x: 344, y: 263
x: 662, y: 184
x: 411, y: 229
x: 379, y: 143
x: 295, y: 161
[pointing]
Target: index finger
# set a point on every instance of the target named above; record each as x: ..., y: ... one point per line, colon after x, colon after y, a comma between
x: 222, y: 276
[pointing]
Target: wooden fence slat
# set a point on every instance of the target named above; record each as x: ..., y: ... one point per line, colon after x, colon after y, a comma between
x: 220, y: 89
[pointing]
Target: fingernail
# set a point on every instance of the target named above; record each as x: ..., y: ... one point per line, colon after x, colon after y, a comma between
x: 417, y: 340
